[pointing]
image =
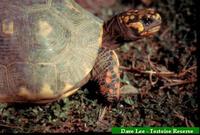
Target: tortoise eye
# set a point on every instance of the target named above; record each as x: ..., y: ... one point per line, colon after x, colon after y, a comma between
x: 147, y: 21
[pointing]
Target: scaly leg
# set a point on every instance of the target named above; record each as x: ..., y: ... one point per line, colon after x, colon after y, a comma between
x: 106, y: 73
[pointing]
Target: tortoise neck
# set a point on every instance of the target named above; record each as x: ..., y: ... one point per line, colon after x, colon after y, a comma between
x: 114, y: 33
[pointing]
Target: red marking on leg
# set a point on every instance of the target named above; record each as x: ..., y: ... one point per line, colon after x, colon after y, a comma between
x: 103, y: 90
x: 108, y: 80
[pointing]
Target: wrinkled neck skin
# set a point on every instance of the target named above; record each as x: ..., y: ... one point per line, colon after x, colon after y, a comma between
x: 115, y: 34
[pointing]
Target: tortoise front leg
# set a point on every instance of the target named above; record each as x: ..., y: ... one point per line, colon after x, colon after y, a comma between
x: 106, y: 73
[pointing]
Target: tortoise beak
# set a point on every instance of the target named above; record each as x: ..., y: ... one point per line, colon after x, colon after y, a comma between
x: 153, y: 29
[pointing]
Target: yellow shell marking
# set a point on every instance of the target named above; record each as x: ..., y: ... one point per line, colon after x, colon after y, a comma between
x: 7, y: 27
x: 46, y: 91
x: 68, y: 90
x: 44, y: 28
x: 24, y: 92
x: 67, y: 87
x: 68, y: 93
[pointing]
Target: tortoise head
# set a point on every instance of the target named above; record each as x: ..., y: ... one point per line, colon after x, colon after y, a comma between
x: 131, y: 25
x: 139, y: 23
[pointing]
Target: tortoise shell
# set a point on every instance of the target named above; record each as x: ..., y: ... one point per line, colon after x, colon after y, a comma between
x: 47, y: 49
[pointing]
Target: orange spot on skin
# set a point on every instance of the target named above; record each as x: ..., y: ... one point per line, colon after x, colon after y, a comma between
x: 103, y: 90
x: 126, y: 19
x: 108, y: 80
x: 145, y: 34
x: 137, y: 25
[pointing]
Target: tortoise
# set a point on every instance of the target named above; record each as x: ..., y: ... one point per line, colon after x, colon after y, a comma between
x: 51, y: 48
